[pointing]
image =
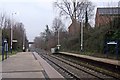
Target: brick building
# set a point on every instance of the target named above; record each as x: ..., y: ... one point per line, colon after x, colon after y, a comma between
x: 105, y: 15
x: 74, y: 28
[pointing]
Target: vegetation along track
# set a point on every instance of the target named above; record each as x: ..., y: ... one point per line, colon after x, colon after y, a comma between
x: 74, y: 70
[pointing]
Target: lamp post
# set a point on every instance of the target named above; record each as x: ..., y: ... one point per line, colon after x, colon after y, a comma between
x: 24, y: 41
x: 58, y: 40
x: 82, y: 24
x: 12, y: 32
x: 11, y: 39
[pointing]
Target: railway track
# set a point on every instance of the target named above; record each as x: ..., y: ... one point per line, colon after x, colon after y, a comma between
x: 93, y: 67
x: 73, y: 70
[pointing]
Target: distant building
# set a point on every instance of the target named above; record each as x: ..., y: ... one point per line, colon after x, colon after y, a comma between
x: 119, y: 4
x: 105, y: 15
x: 74, y: 28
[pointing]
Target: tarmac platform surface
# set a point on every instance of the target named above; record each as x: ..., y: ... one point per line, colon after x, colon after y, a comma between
x: 27, y: 65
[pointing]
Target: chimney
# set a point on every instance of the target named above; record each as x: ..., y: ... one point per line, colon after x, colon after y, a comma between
x: 119, y: 4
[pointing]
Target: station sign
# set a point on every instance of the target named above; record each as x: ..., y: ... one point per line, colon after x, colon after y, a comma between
x: 58, y: 45
x: 14, y: 41
x: 113, y: 42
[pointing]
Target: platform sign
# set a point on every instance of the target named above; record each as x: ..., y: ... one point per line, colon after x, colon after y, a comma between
x: 113, y: 42
x: 15, y: 41
x: 52, y: 50
x: 6, y: 47
x: 116, y: 47
x: 58, y: 45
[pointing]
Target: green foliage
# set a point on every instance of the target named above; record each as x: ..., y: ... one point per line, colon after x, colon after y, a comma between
x: 9, y: 54
x: 70, y: 44
x: 18, y: 32
x: 0, y: 57
x: 95, y: 38
x: 95, y: 41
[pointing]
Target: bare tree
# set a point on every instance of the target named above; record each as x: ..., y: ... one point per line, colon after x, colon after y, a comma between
x: 47, y: 38
x: 59, y: 31
x: 2, y: 18
x: 74, y: 10
x: 17, y: 28
x: 19, y: 34
x: 58, y: 25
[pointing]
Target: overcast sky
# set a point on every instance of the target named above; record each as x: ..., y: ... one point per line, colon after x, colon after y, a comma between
x: 36, y: 14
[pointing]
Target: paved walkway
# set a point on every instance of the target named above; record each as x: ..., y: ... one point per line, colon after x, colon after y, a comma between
x: 0, y: 70
x: 27, y: 65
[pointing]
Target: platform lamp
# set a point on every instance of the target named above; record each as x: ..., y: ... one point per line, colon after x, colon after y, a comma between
x: 12, y: 32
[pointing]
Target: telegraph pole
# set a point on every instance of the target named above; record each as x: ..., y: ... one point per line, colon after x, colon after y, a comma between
x: 23, y: 42
x: 58, y: 39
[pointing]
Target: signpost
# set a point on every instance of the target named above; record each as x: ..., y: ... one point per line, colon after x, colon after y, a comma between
x: 113, y: 42
x: 14, y: 41
x: 58, y: 46
x: 116, y: 47
x: 4, y: 48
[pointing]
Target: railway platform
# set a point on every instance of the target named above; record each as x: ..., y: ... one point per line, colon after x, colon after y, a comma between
x: 107, y: 66
x: 27, y: 66
x: 104, y: 60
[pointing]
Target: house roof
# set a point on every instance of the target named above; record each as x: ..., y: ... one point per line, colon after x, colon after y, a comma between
x: 109, y: 11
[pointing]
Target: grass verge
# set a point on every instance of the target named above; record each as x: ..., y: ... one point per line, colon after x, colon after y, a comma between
x: 0, y: 57
x: 9, y: 54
